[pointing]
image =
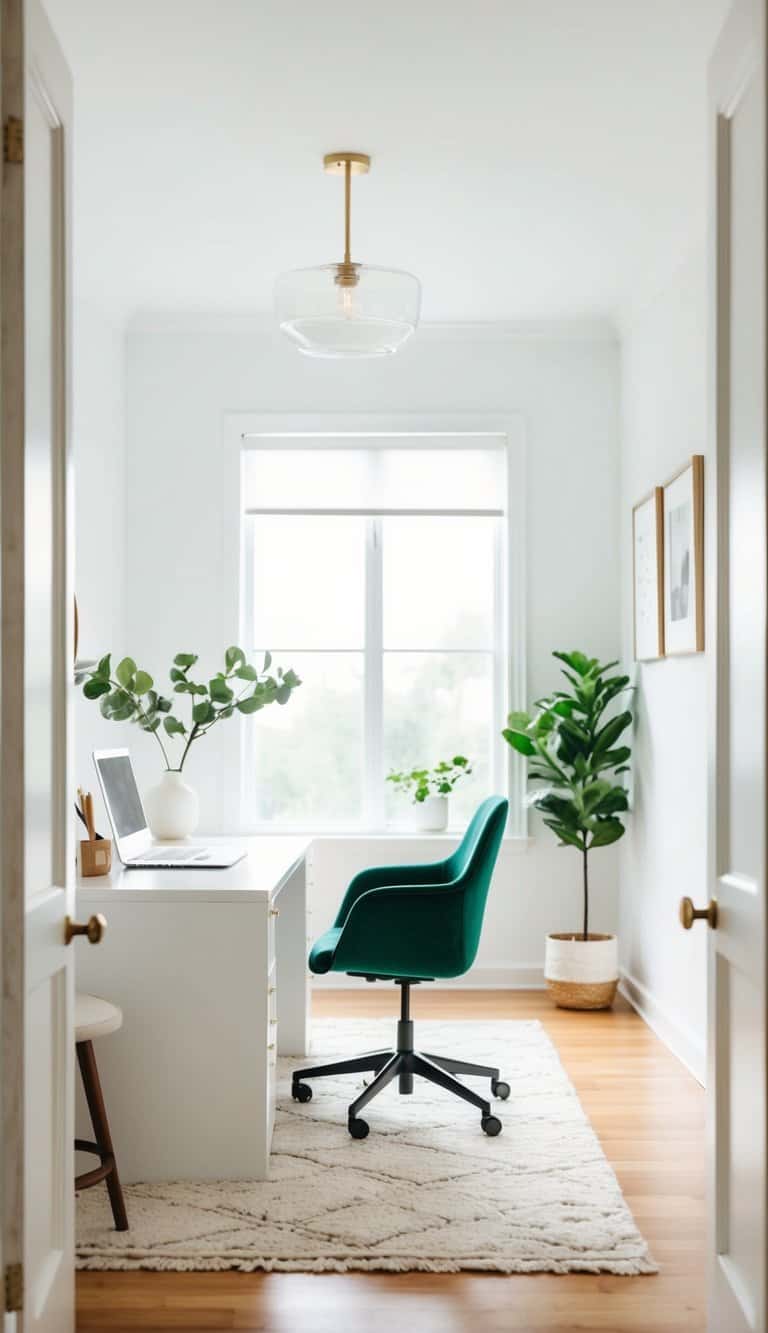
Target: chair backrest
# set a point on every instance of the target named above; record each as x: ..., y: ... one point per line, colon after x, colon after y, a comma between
x: 473, y: 864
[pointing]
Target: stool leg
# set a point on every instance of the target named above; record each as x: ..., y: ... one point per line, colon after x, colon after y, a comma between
x: 98, y: 1112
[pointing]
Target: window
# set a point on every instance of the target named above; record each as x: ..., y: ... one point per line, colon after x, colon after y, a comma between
x: 375, y: 568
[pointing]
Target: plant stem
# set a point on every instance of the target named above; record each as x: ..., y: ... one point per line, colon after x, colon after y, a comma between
x: 586, y: 892
x: 192, y: 735
x: 116, y: 684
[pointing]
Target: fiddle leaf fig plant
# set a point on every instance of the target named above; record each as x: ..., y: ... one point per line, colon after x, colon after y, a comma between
x: 128, y: 694
x: 438, y: 781
x: 575, y: 760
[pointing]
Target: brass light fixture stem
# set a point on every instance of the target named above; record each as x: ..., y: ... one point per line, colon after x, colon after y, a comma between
x: 347, y: 211
x: 347, y: 164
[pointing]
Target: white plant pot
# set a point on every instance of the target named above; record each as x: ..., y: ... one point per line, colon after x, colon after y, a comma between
x: 172, y: 807
x: 432, y: 814
x: 582, y: 974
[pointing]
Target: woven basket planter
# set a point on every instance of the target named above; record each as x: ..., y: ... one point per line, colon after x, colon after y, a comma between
x: 582, y: 974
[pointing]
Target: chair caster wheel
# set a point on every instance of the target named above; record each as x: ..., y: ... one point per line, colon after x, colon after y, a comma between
x: 301, y: 1092
x: 491, y: 1125
x: 500, y: 1089
x: 358, y: 1128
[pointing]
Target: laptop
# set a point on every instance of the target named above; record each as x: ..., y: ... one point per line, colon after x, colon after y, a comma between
x: 133, y: 839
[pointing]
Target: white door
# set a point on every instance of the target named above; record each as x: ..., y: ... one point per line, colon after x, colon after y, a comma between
x: 737, y: 645
x: 37, y: 663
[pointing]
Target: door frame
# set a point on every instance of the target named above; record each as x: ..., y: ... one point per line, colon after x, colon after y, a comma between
x: 12, y: 656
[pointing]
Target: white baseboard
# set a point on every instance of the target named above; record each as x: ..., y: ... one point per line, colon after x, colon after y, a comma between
x: 682, y: 1042
x: 504, y: 976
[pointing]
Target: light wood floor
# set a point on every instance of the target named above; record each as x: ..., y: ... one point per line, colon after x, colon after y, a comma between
x: 649, y: 1114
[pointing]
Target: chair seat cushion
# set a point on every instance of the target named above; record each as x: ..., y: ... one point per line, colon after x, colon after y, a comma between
x: 95, y: 1017
x: 323, y: 949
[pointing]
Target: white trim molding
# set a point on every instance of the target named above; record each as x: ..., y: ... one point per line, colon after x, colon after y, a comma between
x: 689, y: 1048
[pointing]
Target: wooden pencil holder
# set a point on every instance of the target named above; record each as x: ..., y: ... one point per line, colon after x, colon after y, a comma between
x: 96, y: 857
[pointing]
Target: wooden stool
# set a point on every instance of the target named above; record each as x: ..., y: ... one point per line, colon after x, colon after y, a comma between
x: 96, y: 1018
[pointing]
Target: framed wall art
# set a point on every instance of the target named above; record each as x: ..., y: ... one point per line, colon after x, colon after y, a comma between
x: 684, y: 559
x: 648, y: 573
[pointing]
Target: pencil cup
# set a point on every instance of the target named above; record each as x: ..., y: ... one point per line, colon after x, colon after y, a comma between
x: 96, y: 857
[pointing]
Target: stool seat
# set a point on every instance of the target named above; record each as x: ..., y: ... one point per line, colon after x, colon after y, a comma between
x: 95, y: 1017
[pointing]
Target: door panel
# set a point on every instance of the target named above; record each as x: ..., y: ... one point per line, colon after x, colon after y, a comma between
x: 736, y: 1081
x: 48, y: 653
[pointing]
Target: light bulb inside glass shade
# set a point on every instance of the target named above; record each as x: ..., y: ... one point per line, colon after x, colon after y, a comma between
x: 324, y: 318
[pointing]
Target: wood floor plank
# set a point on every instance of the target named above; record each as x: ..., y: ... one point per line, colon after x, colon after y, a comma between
x: 647, y: 1111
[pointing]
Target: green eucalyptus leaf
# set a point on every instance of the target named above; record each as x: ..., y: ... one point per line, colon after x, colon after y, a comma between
x: 125, y: 671
x: 185, y: 659
x: 105, y: 667
x: 250, y: 705
x: 247, y: 672
x: 142, y: 683
x: 234, y: 657
x: 94, y: 688
x: 173, y: 726
x: 219, y: 690
x: 203, y: 712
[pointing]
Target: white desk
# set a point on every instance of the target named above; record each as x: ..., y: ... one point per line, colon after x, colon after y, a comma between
x: 203, y: 964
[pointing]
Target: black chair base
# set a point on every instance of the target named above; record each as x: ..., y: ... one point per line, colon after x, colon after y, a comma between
x: 402, y: 1063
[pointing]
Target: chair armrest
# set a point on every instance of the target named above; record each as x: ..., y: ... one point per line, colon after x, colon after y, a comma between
x: 377, y: 877
x: 407, y: 930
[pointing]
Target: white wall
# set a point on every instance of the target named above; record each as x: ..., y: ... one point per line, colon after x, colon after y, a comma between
x: 97, y: 428
x: 181, y: 542
x: 663, y: 854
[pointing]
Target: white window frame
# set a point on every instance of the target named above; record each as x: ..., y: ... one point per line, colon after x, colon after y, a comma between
x: 247, y: 431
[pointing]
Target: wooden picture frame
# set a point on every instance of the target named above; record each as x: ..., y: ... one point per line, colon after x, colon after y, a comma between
x: 648, y: 576
x: 684, y: 559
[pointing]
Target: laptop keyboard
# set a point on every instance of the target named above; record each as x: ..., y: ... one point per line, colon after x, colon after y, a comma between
x: 170, y: 854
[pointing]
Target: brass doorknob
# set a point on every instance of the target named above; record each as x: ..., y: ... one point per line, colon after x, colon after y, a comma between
x: 93, y: 928
x: 689, y: 913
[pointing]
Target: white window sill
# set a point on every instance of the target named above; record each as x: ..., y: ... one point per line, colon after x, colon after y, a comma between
x: 514, y: 842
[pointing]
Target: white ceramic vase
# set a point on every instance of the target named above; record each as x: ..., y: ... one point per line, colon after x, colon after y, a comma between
x: 172, y: 807
x: 582, y: 974
x: 432, y: 814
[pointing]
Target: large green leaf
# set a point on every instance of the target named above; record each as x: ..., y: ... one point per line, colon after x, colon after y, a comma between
x: 234, y: 657
x: 610, y: 733
x: 519, y: 741
x: 607, y: 831
x: 565, y: 835
x: 185, y: 659
x: 142, y: 683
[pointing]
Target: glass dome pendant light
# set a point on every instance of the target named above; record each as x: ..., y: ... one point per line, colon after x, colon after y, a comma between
x: 347, y: 309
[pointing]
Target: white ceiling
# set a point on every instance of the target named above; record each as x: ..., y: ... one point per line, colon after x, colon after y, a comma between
x: 531, y: 158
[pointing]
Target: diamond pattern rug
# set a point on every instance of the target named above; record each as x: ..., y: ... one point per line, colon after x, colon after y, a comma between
x: 427, y: 1190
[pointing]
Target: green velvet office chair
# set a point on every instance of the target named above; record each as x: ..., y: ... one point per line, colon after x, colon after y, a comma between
x: 410, y: 924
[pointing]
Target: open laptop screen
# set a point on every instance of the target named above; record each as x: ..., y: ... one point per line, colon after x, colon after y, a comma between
x: 122, y: 794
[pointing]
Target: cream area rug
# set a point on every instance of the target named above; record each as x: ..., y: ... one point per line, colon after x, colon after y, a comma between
x: 427, y: 1190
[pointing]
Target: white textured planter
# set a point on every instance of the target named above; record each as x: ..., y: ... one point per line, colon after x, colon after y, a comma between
x: 172, y: 807
x: 582, y: 974
x: 432, y: 814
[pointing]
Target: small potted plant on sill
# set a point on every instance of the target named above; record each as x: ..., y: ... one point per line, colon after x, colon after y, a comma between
x: 429, y: 789
x: 576, y: 766
x: 128, y: 694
